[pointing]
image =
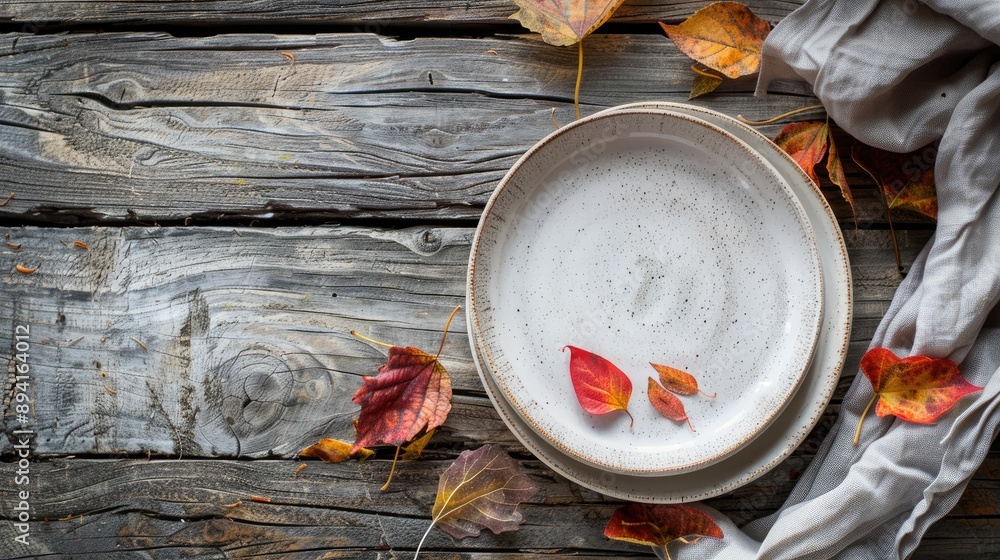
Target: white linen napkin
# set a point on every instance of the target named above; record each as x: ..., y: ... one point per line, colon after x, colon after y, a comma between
x: 899, y: 74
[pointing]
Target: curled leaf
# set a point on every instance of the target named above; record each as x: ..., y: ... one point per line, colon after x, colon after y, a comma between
x: 25, y: 270
x: 599, y: 385
x: 658, y: 525
x: 564, y: 22
x: 725, y: 36
x: 667, y: 404
x: 678, y: 381
x: 835, y: 168
x: 481, y: 489
x: 335, y: 451
x: 806, y: 142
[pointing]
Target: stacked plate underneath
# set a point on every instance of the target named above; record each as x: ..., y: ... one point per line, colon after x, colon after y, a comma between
x: 669, y: 234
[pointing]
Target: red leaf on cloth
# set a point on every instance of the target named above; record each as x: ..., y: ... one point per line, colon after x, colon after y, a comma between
x: 660, y: 524
x: 916, y: 389
x: 666, y: 403
x: 599, y: 385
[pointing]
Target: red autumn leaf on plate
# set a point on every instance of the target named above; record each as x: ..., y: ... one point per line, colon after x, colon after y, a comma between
x: 906, y: 180
x: 658, y: 525
x: 678, y: 381
x: 666, y: 403
x: 725, y: 36
x: 806, y: 142
x: 412, y: 392
x: 599, y: 385
x: 916, y: 389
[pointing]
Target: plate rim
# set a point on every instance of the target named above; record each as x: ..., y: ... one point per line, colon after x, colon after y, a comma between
x: 816, y: 320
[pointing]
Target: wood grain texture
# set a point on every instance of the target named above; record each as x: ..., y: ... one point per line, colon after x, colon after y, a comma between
x: 370, y: 17
x: 245, y: 346
x: 100, y: 508
x: 150, y: 128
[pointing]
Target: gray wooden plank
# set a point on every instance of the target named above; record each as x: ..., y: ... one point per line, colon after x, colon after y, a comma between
x: 246, y: 332
x: 143, y: 128
x: 88, y: 508
x: 371, y: 17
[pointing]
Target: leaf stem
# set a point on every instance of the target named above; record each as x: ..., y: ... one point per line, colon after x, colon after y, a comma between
x: 422, y: 539
x: 857, y: 433
x: 700, y: 72
x: 391, y: 470
x: 579, y: 78
x: 356, y: 334
x: 444, y: 335
x: 779, y: 117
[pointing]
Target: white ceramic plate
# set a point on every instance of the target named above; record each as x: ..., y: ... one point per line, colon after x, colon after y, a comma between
x: 646, y: 236
x: 801, y: 414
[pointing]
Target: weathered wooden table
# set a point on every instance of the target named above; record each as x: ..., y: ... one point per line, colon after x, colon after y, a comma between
x: 252, y: 180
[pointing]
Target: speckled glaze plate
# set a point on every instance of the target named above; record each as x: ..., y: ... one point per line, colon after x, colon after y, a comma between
x: 801, y: 414
x: 646, y: 236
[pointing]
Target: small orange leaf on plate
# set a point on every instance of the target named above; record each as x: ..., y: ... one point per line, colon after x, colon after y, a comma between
x: 678, y: 381
x: 725, y: 36
x: 599, y: 385
x: 666, y: 403
x: 916, y: 389
x: 806, y: 142
x: 564, y: 22
x: 658, y: 525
